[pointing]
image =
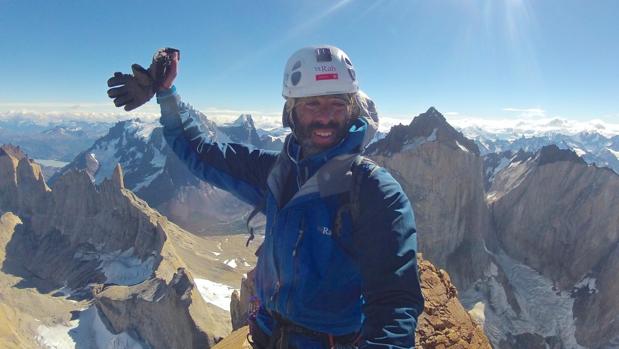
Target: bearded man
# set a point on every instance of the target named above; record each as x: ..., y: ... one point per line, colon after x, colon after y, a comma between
x: 337, y: 268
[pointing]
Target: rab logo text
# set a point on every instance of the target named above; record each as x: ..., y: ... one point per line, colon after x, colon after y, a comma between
x: 324, y: 69
x: 325, y: 231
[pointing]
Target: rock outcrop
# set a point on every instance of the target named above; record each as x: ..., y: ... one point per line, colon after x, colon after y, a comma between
x: 241, y: 302
x: 441, y: 172
x: 80, y: 234
x: 168, y: 315
x: 445, y: 323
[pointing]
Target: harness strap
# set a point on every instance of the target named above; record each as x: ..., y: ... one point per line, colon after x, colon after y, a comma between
x: 283, y: 328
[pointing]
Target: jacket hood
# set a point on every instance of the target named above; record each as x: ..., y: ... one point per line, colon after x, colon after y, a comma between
x: 367, y: 113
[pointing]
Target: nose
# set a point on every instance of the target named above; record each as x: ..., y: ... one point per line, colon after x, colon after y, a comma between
x: 325, y: 114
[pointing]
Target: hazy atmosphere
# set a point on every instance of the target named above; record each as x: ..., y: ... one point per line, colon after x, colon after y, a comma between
x: 484, y: 59
x: 478, y: 211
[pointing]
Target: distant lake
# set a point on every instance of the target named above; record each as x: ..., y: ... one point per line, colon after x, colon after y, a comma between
x: 51, y: 163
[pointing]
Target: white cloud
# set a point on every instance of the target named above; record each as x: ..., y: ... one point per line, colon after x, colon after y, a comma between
x: 527, y: 127
x: 525, y: 121
x: 45, y: 113
x: 527, y: 112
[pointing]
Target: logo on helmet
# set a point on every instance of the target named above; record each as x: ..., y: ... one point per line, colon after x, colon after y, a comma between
x: 326, y: 77
x: 324, y: 69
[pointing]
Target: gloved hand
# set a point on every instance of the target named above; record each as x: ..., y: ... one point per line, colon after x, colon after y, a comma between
x: 134, y: 90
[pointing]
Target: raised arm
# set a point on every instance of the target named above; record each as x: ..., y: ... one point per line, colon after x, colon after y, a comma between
x: 237, y: 168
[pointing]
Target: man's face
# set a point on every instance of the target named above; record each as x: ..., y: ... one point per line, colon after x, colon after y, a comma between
x: 321, y: 122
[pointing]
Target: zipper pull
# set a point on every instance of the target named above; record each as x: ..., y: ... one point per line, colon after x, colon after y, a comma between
x: 275, y: 291
x: 300, y: 237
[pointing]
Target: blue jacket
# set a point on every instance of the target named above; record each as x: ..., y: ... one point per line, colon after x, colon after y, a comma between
x: 364, y: 279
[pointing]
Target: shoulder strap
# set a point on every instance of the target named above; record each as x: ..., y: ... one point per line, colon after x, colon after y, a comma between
x: 362, y: 167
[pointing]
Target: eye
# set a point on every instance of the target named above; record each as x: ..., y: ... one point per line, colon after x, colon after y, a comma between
x: 338, y: 103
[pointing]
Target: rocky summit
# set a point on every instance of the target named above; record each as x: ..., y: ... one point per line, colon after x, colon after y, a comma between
x: 441, y: 172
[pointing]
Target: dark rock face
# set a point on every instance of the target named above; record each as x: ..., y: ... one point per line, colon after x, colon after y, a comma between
x: 551, y: 153
x: 529, y: 341
x: 429, y: 126
x: 441, y: 173
x: 496, y: 162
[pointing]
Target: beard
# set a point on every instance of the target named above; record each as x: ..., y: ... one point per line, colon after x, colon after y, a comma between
x: 303, y: 134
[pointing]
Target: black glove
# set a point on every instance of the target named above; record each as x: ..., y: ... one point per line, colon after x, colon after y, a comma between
x: 134, y: 90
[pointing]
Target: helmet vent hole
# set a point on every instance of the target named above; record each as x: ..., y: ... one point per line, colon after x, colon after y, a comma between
x: 353, y: 76
x: 347, y: 61
x: 297, y: 65
x: 295, y: 78
x: 323, y: 54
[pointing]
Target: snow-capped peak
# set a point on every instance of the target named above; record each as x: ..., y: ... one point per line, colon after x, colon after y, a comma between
x: 244, y: 120
x: 141, y: 129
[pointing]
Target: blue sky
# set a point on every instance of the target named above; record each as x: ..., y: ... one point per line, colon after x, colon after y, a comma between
x: 486, y: 58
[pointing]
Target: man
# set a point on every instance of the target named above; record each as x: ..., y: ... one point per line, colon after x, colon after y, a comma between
x: 326, y: 277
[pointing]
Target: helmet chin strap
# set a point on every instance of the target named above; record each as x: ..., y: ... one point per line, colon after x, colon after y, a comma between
x: 292, y: 125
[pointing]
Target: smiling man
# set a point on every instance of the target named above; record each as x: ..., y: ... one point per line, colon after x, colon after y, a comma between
x: 337, y: 268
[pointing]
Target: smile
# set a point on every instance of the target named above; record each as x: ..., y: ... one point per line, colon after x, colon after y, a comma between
x: 324, y: 133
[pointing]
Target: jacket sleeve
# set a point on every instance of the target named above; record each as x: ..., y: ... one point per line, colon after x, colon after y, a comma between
x: 240, y: 169
x: 386, y: 241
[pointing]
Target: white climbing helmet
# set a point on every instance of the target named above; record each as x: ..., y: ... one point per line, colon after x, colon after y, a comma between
x: 319, y: 70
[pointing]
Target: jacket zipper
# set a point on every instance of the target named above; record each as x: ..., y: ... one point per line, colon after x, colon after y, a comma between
x: 278, y: 282
x: 295, y: 263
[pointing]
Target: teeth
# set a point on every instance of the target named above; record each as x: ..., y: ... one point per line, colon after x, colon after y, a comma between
x: 324, y: 134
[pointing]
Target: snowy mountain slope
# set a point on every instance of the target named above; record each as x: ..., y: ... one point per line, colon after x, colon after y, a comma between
x: 154, y: 173
x: 243, y: 130
x: 521, y: 308
x: 598, y: 147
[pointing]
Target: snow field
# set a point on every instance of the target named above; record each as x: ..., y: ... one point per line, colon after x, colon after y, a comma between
x: 215, y: 293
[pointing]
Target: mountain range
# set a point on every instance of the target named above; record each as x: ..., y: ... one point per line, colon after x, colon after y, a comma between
x: 530, y: 251
x: 93, y: 266
x: 155, y: 174
x: 530, y: 237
